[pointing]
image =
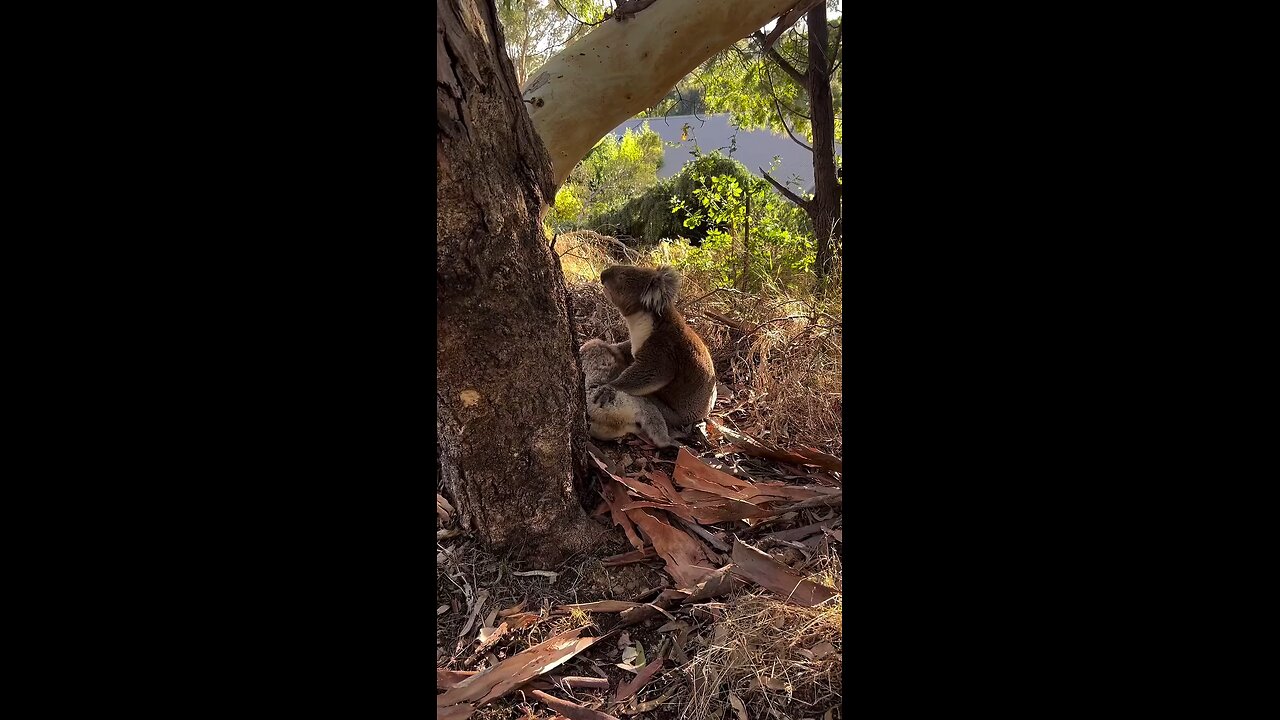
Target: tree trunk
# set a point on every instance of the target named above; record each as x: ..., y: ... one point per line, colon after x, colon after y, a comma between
x: 522, y: 68
x: 746, y: 242
x: 824, y: 210
x: 623, y: 67
x: 511, y: 426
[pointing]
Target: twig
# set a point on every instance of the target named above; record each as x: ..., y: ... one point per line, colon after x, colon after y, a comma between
x: 683, y: 303
x: 778, y: 106
x: 703, y: 533
x: 784, y: 190
x: 787, y: 67
x: 575, y: 17
x: 780, y: 319
x: 726, y: 321
x: 787, y: 19
x: 839, y: 39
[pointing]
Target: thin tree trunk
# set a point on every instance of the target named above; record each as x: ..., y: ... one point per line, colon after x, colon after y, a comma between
x: 522, y: 70
x: 511, y: 425
x: 746, y: 243
x: 824, y: 209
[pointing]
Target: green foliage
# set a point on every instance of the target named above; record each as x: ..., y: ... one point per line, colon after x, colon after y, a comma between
x: 535, y: 30
x: 753, y: 236
x: 616, y: 170
x: 713, y: 218
x: 567, y: 208
x: 649, y: 217
x: 753, y: 88
x: 686, y: 98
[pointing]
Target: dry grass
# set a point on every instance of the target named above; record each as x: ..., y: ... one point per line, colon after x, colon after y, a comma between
x: 782, y: 361
x: 762, y: 650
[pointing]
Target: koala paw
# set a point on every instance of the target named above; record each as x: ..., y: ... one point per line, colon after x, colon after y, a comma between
x: 603, y: 395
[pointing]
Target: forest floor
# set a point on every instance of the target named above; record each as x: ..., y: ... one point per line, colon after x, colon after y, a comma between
x: 716, y: 590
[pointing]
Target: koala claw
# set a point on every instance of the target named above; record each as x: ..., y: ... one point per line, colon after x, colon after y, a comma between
x: 603, y: 395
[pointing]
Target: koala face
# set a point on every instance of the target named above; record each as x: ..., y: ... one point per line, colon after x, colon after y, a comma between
x: 633, y: 289
x: 600, y: 363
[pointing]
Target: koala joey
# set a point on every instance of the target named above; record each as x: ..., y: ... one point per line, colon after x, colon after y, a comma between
x: 621, y: 413
x: 667, y: 362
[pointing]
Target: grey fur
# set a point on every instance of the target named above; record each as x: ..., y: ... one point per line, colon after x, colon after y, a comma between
x: 662, y: 289
x: 612, y: 414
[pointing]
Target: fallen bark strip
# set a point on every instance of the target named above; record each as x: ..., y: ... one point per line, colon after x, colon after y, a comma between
x: 446, y: 679
x: 584, y: 683
x: 630, y: 557
x: 760, y: 568
x: 802, y: 532
x: 514, y: 671
x: 833, y: 500
x: 760, y: 448
x: 704, y: 534
x: 601, y: 606
x: 573, y: 711
x: 641, y: 679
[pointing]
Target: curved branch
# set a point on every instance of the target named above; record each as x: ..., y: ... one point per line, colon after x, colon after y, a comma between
x: 778, y: 106
x: 787, y: 67
x: 784, y: 126
x: 786, y: 192
x: 787, y: 19
x: 575, y: 17
x: 835, y: 62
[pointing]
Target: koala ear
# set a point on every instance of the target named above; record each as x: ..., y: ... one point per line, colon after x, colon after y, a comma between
x: 662, y: 289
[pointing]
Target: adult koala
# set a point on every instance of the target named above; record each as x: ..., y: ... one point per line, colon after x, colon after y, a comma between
x: 667, y: 362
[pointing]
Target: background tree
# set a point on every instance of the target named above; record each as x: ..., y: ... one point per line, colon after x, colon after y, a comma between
x: 511, y: 408
x: 789, y: 81
x: 537, y: 29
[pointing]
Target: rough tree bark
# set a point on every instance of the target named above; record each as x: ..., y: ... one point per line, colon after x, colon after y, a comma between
x: 511, y: 408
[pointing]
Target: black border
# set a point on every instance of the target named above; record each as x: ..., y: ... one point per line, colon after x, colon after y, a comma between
x: 271, y: 353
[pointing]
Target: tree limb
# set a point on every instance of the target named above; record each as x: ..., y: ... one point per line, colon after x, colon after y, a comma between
x: 576, y: 19
x: 784, y: 126
x: 778, y: 106
x: 787, y: 19
x: 786, y: 192
x: 835, y: 62
x: 787, y: 67
x: 726, y: 321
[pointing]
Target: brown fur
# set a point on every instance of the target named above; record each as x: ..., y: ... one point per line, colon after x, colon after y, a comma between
x: 672, y: 365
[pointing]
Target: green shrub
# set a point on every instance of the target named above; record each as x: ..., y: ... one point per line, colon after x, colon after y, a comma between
x: 649, y: 218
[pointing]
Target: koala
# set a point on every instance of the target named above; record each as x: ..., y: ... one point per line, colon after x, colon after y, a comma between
x: 667, y: 362
x: 621, y: 413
